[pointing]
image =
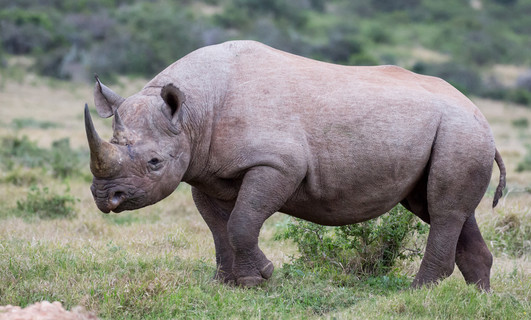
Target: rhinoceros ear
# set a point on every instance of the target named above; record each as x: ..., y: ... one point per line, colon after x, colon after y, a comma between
x: 174, y: 99
x: 105, y: 99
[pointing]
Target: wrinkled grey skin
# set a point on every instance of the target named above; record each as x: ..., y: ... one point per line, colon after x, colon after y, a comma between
x: 255, y: 130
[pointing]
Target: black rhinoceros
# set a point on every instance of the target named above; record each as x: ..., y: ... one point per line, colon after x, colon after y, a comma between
x: 255, y: 130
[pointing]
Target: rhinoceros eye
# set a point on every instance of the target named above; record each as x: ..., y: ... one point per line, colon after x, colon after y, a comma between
x: 155, y: 164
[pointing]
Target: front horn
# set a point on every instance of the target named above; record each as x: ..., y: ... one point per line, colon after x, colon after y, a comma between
x: 105, y: 160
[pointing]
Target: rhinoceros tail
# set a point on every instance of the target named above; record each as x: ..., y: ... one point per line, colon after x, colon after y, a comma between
x: 501, y: 185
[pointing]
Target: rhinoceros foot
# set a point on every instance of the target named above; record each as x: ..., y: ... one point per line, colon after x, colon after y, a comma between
x: 251, y: 281
x: 225, y: 277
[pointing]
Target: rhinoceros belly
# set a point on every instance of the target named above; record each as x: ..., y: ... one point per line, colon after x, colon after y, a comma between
x: 358, y: 171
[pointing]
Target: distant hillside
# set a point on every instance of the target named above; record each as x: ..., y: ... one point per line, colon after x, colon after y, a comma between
x: 464, y: 39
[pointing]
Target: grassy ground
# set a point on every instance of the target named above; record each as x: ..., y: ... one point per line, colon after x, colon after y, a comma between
x: 157, y: 262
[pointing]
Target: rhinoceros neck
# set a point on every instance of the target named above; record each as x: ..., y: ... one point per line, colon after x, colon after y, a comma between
x: 203, y: 77
x: 197, y: 128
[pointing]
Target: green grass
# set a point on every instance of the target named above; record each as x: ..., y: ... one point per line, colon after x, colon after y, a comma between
x: 117, y: 280
x: 451, y: 299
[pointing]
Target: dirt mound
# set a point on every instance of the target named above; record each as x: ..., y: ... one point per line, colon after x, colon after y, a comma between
x: 44, y: 311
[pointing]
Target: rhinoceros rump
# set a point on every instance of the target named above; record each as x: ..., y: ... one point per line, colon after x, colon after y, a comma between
x: 255, y: 130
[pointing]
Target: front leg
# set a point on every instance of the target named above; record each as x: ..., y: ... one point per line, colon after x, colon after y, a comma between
x: 216, y: 215
x: 264, y: 191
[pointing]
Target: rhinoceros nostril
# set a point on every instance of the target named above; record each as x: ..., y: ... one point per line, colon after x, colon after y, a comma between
x: 116, y: 199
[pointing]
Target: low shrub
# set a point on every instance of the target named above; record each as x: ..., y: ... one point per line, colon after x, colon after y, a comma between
x: 520, y: 96
x: 43, y: 204
x: 514, y: 95
x: 369, y: 248
x: 20, y: 151
x: 61, y: 160
x: 363, y: 59
x: 379, y: 35
x: 20, y: 176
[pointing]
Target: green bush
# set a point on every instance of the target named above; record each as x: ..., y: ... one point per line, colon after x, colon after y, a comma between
x: 377, y: 34
x: 46, y: 205
x: 61, y: 160
x: 341, y: 46
x: 20, y: 151
x: 20, y: 176
x: 26, y: 31
x: 520, y: 96
x: 515, y: 95
x: 369, y: 248
x: 363, y: 59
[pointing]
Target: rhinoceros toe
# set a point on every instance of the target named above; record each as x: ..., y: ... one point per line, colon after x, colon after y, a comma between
x: 250, y: 281
x: 224, y: 277
x: 267, y: 270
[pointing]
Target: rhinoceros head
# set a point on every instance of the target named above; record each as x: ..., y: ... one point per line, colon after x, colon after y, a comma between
x: 148, y: 154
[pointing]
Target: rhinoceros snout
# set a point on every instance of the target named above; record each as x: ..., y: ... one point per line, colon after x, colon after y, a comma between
x: 108, y: 201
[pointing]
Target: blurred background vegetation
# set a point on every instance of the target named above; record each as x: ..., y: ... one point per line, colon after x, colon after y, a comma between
x: 466, y: 42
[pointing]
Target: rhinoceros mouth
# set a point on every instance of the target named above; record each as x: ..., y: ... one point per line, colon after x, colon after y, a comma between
x: 118, y: 200
x: 130, y: 204
x: 108, y: 205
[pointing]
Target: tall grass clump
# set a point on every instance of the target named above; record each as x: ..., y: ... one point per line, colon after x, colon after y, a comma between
x: 510, y: 235
x: 369, y: 248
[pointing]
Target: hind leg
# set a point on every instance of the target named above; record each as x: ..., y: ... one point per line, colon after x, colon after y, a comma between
x: 438, y: 261
x: 457, y: 180
x: 472, y: 256
x: 439, y: 257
